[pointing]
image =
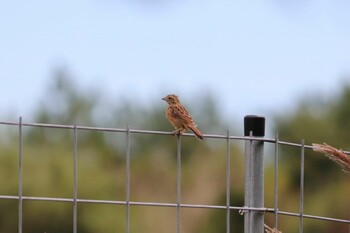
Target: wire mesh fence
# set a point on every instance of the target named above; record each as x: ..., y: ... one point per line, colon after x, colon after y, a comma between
x: 179, y: 205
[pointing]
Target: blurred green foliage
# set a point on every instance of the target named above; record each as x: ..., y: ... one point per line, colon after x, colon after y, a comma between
x: 327, y: 188
x: 48, y: 166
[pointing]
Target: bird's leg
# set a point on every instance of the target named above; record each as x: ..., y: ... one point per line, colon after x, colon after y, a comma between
x: 176, y: 132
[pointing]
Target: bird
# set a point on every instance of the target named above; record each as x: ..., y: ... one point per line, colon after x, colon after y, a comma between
x: 179, y: 117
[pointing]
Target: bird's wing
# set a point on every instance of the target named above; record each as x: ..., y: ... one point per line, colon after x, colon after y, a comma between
x: 180, y: 113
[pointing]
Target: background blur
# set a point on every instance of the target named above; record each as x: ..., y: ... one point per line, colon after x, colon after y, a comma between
x: 108, y: 63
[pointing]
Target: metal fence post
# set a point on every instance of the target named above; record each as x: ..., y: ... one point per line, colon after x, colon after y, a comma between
x: 254, y: 174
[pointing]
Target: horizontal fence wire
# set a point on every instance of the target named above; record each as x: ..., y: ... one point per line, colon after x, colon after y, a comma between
x: 157, y: 132
x: 75, y: 200
x: 182, y: 205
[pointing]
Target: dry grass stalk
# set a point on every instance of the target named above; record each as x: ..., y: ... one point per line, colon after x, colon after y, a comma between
x: 338, y: 156
x: 271, y: 230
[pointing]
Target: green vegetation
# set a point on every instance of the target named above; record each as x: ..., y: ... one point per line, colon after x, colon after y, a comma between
x: 48, y: 167
x: 327, y: 188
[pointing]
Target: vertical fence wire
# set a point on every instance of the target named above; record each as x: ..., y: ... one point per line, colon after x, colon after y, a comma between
x: 228, y: 182
x: 178, y: 188
x: 276, y: 181
x: 127, y: 185
x: 302, y: 161
x: 248, y: 184
x: 75, y: 179
x: 20, y: 176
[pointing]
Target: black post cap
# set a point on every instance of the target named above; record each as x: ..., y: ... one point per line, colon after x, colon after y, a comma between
x: 256, y: 124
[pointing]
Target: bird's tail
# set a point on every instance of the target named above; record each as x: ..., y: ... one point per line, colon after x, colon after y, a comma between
x: 196, y: 132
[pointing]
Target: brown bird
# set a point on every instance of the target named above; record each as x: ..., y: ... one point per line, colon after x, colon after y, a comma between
x: 179, y: 117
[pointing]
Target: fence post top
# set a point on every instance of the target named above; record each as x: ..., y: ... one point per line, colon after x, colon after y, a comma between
x: 254, y: 123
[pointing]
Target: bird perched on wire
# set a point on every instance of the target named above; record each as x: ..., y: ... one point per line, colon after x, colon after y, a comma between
x: 179, y: 117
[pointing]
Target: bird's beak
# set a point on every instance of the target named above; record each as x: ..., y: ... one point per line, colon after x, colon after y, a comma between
x: 163, y: 98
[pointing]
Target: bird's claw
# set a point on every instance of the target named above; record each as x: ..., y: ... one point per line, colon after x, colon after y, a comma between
x: 177, y: 132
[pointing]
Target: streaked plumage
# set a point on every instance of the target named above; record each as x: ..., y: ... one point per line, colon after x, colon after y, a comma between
x: 179, y: 117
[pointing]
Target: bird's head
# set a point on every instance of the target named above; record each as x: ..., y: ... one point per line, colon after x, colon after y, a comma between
x: 171, y: 99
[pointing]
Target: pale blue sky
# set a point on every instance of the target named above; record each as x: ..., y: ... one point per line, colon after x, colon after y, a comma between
x: 277, y: 50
